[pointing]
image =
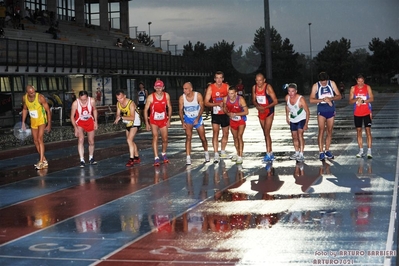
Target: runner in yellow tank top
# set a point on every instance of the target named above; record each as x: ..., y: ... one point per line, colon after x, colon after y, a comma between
x: 40, y: 117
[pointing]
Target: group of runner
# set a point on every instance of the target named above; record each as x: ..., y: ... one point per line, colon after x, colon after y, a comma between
x: 229, y: 113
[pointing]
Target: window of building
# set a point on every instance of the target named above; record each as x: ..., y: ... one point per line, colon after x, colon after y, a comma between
x: 36, y: 4
x: 66, y: 10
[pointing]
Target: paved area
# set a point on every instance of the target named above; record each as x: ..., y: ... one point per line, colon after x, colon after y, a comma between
x: 336, y: 212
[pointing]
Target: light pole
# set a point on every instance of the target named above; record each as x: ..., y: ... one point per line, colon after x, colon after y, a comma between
x: 149, y: 28
x: 311, y: 59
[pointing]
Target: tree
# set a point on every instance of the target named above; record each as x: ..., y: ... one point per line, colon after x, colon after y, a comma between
x: 220, y: 54
x: 385, y: 58
x: 198, y: 50
x: 359, y: 62
x: 145, y: 39
x: 284, y: 58
x: 335, y: 59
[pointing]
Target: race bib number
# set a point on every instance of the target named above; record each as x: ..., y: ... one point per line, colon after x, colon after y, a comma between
x: 239, y: 93
x: 125, y: 121
x: 236, y: 118
x: 34, y: 114
x: 261, y: 99
x: 141, y: 98
x: 216, y: 109
x: 159, y: 116
x: 85, y: 117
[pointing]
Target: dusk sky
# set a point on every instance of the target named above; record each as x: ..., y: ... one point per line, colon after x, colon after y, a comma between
x: 211, y: 21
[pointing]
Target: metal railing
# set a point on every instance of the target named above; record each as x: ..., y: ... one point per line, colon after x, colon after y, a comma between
x: 31, y: 56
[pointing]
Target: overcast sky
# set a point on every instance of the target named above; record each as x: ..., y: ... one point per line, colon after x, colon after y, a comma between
x: 211, y: 21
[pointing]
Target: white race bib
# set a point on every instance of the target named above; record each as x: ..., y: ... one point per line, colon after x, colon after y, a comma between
x: 236, y: 118
x: 261, y: 99
x: 216, y: 109
x: 141, y: 98
x: 34, y: 114
x: 159, y: 116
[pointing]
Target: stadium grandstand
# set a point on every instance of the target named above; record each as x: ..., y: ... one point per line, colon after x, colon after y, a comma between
x: 65, y: 46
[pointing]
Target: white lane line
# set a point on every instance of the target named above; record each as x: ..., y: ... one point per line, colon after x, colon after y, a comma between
x: 391, y: 228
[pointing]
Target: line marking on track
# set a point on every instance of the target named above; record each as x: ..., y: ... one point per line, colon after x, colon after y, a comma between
x: 391, y: 228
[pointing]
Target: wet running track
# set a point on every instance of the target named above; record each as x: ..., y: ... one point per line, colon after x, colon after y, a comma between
x: 337, y: 212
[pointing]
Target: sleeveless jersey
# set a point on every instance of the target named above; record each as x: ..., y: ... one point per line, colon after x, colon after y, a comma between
x: 217, y: 96
x: 364, y: 108
x: 158, y: 109
x: 296, y: 114
x: 141, y: 97
x: 234, y: 107
x: 191, y: 109
x: 125, y: 111
x: 38, y: 115
x: 323, y: 92
x: 263, y: 99
x: 84, y: 112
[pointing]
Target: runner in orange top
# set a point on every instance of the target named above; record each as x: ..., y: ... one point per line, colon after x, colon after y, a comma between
x: 214, y: 99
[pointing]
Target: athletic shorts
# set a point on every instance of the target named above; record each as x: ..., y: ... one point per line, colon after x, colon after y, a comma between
x: 327, y: 115
x: 190, y: 121
x: 297, y: 125
x: 362, y: 120
x: 159, y: 123
x: 268, y: 112
x: 236, y: 124
x: 87, y: 125
x: 128, y: 128
x: 223, y: 120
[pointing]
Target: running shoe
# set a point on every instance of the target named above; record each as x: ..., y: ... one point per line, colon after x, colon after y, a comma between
x: 188, y: 160
x: 39, y: 166
x: 300, y: 158
x: 234, y: 158
x: 129, y: 163
x: 92, y: 162
x: 369, y: 156
x: 157, y: 162
x: 165, y: 159
x: 224, y: 155
x: 329, y: 155
x: 360, y: 154
x: 136, y: 160
x: 322, y: 156
x: 294, y: 156
x: 239, y: 160
x: 207, y: 159
x: 268, y: 157
x: 216, y: 159
x: 82, y: 163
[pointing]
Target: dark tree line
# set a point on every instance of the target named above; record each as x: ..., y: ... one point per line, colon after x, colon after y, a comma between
x: 335, y: 58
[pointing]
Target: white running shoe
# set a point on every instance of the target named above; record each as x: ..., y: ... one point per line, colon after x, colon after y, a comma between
x: 217, y: 158
x: 207, y: 159
x: 239, y: 160
x: 224, y: 155
x: 360, y: 154
x: 294, y: 156
x: 188, y: 160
